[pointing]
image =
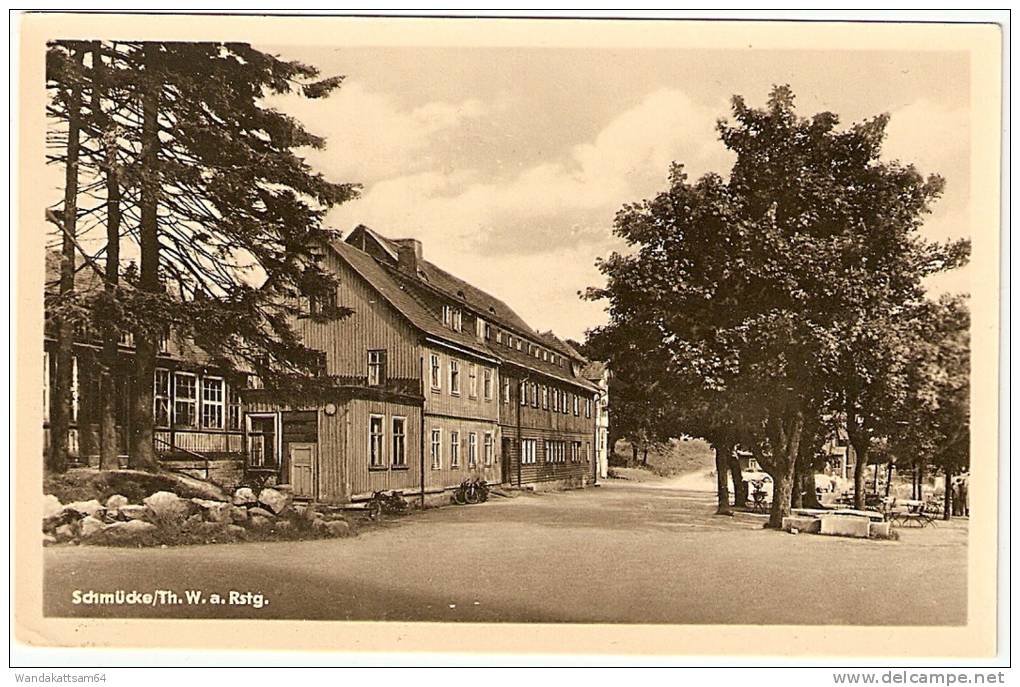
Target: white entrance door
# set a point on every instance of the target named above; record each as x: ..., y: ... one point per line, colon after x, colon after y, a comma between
x: 302, y: 469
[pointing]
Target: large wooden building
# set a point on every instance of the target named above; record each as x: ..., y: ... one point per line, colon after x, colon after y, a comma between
x: 431, y: 382
x: 437, y: 382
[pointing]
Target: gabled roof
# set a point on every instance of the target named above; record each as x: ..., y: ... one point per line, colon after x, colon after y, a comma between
x: 455, y: 288
x: 403, y: 300
x: 408, y: 295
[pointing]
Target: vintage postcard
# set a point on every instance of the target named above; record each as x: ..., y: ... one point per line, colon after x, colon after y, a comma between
x: 576, y: 336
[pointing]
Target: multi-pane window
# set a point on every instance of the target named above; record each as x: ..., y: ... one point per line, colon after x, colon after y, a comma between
x: 185, y: 400
x: 324, y: 303
x: 528, y: 453
x: 575, y: 452
x: 436, y: 374
x: 375, y: 441
x: 524, y: 393
x: 262, y: 441
x: 587, y: 407
x: 233, y: 408
x: 489, y: 449
x: 480, y: 327
x: 399, y: 455
x: 487, y: 383
x: 212, y: 403
x: 587, y: 452
x: 376, y: 367
x: 472, y: 449
x: 577, y: 405
x: 472, y: 380
x: 453, y: 318
x: 454, y: 449
x: 436, y: 450
x: 534, y: 394
x: 161, y: 398
x: 454, y: 377
x: 506, y: 391
x: 545, y: 396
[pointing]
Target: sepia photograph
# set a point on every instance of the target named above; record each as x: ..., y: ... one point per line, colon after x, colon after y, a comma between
x: 531, y: 326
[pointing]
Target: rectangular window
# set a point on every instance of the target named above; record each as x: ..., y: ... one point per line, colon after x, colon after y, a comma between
x: 487, y: 383
x: 506, y: 391
x: 472, y: 380
x: 212, y: 403
x: 375, y: 441
x: 548, y: 451
x: 489, y: 449
x: 524, y: 393
x: 233, y: 407
x: 577, y: 405
x: 587, y: 407
x: 454, y: 449
x: 399, y: 455
x: 447, y: 315
x: 185, y: 400
x: 528, y: 451
x: 545, y: 397
x: 472, y: 450
x: 436, y: 451
x: 376, y: 367
x: 587, y: 452
x: 499, y: 336
x: 322, y: 303
x: 262, y: 441
x: 534, y: 394
x: 480, y: 328
x: 575, y: 452
x: 454, y: 377
x: 458, y: 320
x: 161, y: 398
x: 436, y: 376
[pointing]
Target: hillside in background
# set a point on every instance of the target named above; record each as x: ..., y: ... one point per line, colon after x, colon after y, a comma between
x: 676, y: 457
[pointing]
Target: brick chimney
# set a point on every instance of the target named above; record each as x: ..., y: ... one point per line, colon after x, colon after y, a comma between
x: 408, y: 255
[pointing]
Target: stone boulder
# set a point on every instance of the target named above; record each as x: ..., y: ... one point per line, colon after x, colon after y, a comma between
x: 165, y: 507
x: 66, y: 532
x: 128, y: 531
x: 244, y: 497
x: 48, y: 539
x: 261, y: 512
x: 236, y: 531
x: 214, y: 511
x: 338, y: 528
x: 90, y: 526
x: 259, y: 522
x: 83, y: 508
x: 116, y: 502
x: 238, y: 514
x: 132, y: 512
x: 845, y: 526
x: 51, y: 506
x: 274, y: 500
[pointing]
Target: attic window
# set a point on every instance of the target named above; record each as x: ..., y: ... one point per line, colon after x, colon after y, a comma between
x: 492, y: 310
x: 460, y: 294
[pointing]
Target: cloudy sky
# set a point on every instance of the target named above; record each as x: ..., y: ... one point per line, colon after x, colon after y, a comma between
x: 509, y: 164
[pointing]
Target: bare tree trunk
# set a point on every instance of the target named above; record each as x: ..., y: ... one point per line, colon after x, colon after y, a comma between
x: 60, y: 413
x: 947, y: 502
x: 143, y: 453
x: 785, y: 462
x: 722, y: 454
x: 644, y: 455
x: 108, y: 443
x: 861, y: 449
x: 739, y: 486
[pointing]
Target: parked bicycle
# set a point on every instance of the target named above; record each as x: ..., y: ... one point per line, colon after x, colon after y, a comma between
x: 390, y: 503
x: 471, y: 491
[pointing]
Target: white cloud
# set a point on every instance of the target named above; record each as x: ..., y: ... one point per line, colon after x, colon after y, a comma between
x: 370, y: 136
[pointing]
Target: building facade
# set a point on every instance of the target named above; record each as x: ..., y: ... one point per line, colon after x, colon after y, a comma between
x: 428, y: 383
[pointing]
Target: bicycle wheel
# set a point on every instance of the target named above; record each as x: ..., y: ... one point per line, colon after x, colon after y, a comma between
x: 460, y: 497
x: 472, y: 495
x: 375, y: 509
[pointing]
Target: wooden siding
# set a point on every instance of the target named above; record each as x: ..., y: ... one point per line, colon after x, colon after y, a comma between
x: 197, y: 441
x: 542, y: 470
x: 442, y: 401
x: 363, y: 480
x: 375, y: 325
x: 447, y: 476
x: 542, y: 424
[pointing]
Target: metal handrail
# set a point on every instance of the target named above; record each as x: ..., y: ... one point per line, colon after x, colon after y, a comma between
x: 204, y: 459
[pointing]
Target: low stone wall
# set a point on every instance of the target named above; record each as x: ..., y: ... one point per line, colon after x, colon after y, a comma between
x: 228, y: 473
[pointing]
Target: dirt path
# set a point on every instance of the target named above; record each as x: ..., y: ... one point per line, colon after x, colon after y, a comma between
x: 624, y: 552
